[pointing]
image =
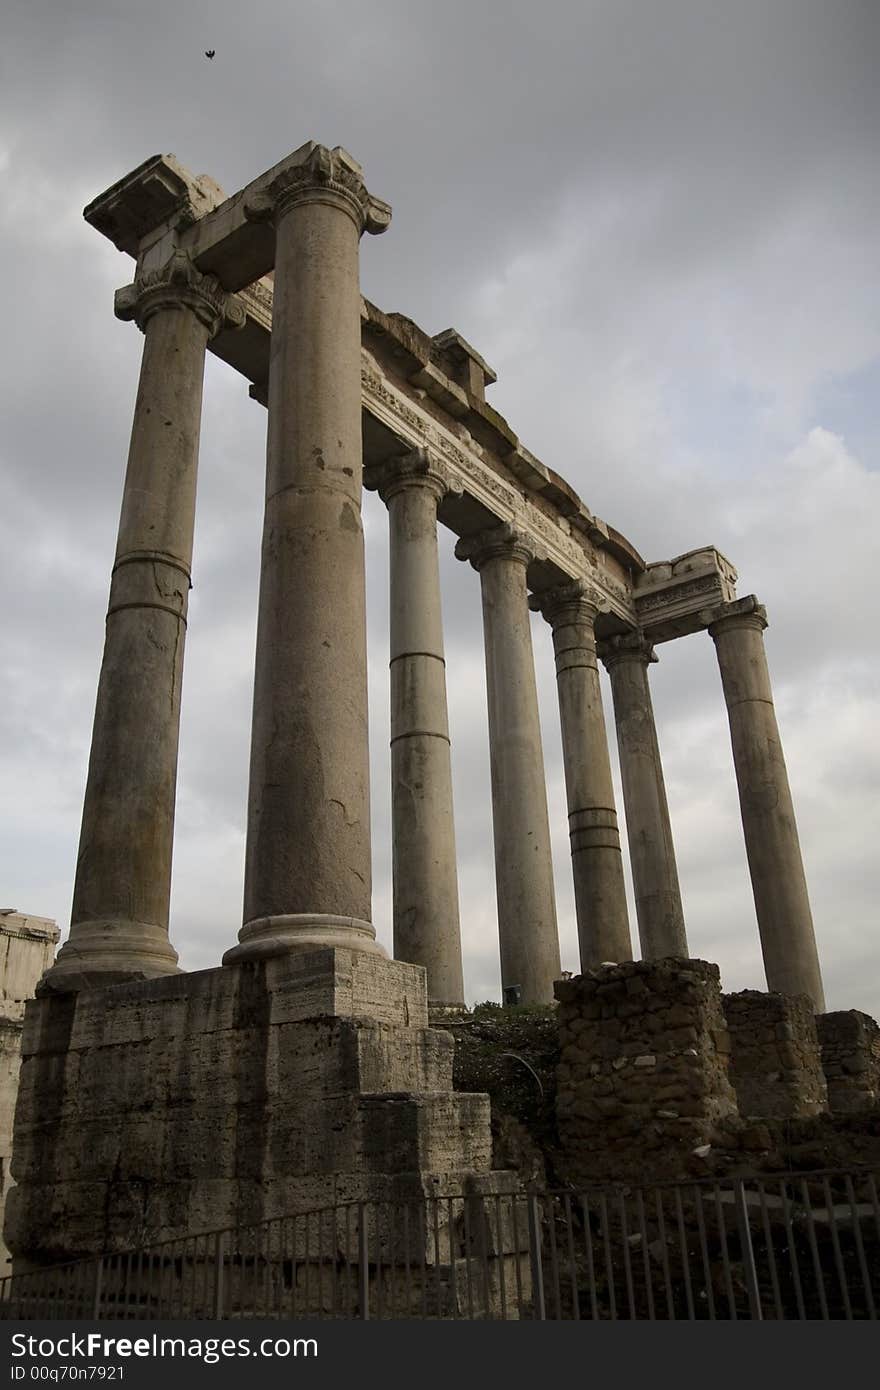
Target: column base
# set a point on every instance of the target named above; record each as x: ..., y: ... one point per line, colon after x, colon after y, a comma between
x: 108, y: 952
x: 298, y: 931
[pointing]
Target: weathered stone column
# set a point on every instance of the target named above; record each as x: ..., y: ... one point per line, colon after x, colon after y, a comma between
x: 523, y: 864
x: 651, y: 851
x: 119, y: 921
x: 597, y: 866
x: 782, y: 905
x: 426, y: 914
x: 307, y: 861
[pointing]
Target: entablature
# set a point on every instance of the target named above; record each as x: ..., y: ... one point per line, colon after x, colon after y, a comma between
x: 419, y: 392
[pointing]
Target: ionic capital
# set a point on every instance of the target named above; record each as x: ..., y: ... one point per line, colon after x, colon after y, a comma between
x: 414, y: 470
x: 502, y: 542
x: 744, y: 613
x: 627, y: 646
x: 574, y: 602
x: 324, y: 176
x: 178, y: 285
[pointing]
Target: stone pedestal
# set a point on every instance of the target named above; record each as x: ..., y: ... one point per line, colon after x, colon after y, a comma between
x: 648, y: 828
x: 229, y: 1096
x: 782, y: 904
x: 523, y: 865
x: 597, y: 865
x: 307, y: 861
x: 774, y: 1055
x: 119, y: 919
x: 426, y: 914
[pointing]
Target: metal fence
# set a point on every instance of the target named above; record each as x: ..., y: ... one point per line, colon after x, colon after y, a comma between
x: 784, y: 1247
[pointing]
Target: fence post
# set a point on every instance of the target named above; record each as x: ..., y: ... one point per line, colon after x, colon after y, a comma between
x: 363, y: 1263
x: 748, y: 1253
x: 535, y: 1257
x: 96, y: 1301
x: 219, y: 1258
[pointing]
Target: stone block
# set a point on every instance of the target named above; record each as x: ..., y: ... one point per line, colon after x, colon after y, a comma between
x: 193, y: 1102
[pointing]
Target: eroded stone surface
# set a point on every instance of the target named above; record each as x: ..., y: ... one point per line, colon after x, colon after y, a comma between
x: 194, y: 1102
x: 643, y: 1070
x: 775, y: 1063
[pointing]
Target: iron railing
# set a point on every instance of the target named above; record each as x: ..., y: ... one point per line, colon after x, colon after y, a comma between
x: 798, y: 1246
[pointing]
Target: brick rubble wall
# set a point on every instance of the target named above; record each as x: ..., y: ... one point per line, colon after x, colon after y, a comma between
x: 643, y: 1072
x: 776, y: 1067
x: 850, y: 1044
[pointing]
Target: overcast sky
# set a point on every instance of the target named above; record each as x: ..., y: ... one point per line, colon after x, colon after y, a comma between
x: 657, y: 221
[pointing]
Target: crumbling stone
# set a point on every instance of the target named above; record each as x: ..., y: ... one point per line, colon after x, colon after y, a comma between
x: 643, y: 1072
x: 850, y: 1048
x: 775, y: 1063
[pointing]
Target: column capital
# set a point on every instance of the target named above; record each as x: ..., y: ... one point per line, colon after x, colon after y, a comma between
x: 324, y: 176
x: 503, y: 541
x: 417, y: 469
x: 627, y: 646
x: 741, y: 613
x: 178, y: 285
x: 575, y: 602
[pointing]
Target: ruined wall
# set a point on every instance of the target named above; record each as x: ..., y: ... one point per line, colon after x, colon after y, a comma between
x: 27, y: 948
x: 850, y: 1043
x: 643, y: 1070
x: 197, y: 1101
x: 776, y: 1067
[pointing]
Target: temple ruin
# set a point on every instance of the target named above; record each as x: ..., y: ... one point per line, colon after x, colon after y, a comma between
x: 303, y: 1069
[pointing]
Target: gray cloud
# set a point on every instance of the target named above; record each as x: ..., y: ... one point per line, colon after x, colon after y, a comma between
x: 663, y: 237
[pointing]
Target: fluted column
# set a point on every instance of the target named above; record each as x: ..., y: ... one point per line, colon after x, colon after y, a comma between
x: 523, y: 865
x: 649, y: 832
x: 597, y: 865
x: 782, y: 904
x: 426, y: 914
x: 119, y: 920
x: 307, y: 860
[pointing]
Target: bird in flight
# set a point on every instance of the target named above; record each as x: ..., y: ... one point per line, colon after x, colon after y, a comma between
x: 209, y: 52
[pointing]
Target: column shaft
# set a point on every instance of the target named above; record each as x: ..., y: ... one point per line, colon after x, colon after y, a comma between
x: 307, y: 863
x: 597, y: 865
x: 779, y: 885
x: 649, y: 832
x: 119, y: 920
x: 426, y: 910
x: 523, y: 864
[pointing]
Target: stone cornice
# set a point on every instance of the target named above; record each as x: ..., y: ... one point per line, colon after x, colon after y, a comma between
x: 178, y: 285
x: 323, y: 174
x: 502, y: 542
x: 416, y: 469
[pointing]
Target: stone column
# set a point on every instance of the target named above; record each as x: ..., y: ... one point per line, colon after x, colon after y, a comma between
x: 523, y: 864
x: 782, y: 904
x: 119, y: 921
x: 651, y: 851
x: 597, y: 866
x: 426, y: 915
x: 307, y: 860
